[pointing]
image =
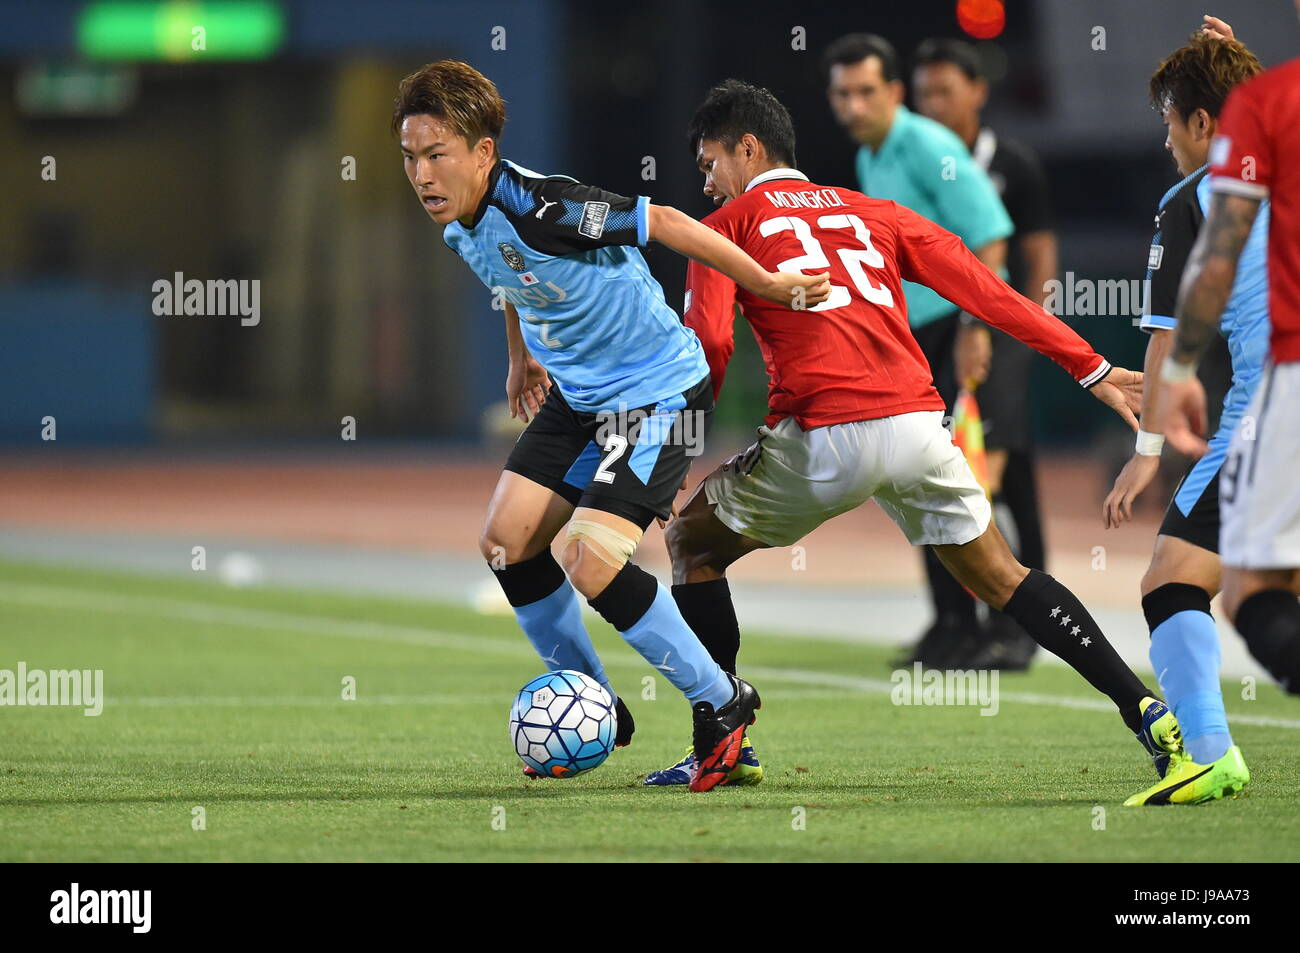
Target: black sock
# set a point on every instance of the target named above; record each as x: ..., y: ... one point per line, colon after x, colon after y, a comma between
x: 627, y: 597
x: 533, y: 579
x: 1269, y: 621
x: 708, y: 610
x: 1059, y: 623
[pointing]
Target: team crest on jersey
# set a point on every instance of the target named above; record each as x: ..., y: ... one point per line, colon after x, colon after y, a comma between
x: 593, y: 219
x: 511, y: 256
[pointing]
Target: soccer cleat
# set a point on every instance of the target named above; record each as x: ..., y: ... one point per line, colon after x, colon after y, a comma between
x: 622, y: 736
x: 1190, y: 783
x: 746, y: 773
x: 943, y: 641
x: 1160, y: 734
x: 680, y: 773
x: 718, y: 735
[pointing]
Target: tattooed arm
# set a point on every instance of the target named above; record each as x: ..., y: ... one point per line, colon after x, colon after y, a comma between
x: 1207, y: 282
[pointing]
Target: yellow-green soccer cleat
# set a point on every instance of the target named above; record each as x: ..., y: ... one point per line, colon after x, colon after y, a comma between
x: 1187, y: 782
x: 746, y: 773
x: 1160, y: 734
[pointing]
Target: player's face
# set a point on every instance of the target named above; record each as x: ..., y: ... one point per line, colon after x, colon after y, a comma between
x: 446, y: 172
x: 862, y: 100
x: 723, y: 168
x: 945, y: 94
x: 1188, y: 140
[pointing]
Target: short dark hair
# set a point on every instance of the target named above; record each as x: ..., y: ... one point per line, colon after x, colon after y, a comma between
x: 856, y: 47
x: 1201, y: 74
x: 456, y: 93
x: 733, y: 108
x: 944, y: 50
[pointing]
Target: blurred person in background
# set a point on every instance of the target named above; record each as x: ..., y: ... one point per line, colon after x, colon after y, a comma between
x: 949, y: 86
x: 923, y: 165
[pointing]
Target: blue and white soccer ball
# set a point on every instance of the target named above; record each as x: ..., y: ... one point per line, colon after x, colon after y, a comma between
x: 563, y: 723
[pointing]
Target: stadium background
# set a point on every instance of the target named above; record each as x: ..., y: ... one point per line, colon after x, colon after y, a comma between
x: 180, y: 431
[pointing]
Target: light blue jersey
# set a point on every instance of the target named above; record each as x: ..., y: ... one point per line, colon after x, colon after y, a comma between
x: 1245, y: 317
x: 564, y: 254
x: 1179, y: 219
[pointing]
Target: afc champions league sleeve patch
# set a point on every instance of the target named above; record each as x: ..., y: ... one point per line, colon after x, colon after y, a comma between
x: 1155, y: 256
x: 593, y: 219
x: 1220, y: 149
x: 511, y: 256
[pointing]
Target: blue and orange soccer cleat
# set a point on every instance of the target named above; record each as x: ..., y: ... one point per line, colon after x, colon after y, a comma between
x: 747, y: 771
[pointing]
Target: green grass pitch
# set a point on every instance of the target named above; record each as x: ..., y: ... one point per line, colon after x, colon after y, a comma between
x: 230, y: 701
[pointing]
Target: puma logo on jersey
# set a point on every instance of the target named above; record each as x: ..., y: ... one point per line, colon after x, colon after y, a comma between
x: 545, y: 205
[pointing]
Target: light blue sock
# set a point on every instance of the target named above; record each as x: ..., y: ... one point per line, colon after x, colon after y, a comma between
x: 554, y: 626
x: 665, y: 641
x: 1185, y: 655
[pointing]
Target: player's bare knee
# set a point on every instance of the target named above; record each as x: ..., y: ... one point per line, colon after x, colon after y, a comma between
x: 502, y: 548
x: 1152, y: 579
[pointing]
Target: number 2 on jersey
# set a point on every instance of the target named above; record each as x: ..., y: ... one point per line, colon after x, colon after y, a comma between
x: 814, y: 257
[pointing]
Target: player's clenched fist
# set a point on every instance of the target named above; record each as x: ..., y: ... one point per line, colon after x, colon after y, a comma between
x: 796, y: 291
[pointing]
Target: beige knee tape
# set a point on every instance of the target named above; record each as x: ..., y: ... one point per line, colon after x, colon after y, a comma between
x: 611, y: 547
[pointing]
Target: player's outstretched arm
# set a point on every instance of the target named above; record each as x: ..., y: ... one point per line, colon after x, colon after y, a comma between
x: 695, y: 240
x: 935, y: 257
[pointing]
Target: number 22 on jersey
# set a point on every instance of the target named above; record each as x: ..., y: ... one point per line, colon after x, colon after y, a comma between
x: 855, y: 260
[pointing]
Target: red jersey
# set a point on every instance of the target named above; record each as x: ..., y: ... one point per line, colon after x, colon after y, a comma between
x: 1255, y: 154
x: 853, y: 357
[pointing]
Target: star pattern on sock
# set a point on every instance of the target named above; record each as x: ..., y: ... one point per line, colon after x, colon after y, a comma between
x: 1075, y: 630
x: 1085, y: 641
x: 1056, y: 612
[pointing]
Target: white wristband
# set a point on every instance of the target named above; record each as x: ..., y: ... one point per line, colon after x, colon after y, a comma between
x: 1149, y: 444
x: 1173, y: 371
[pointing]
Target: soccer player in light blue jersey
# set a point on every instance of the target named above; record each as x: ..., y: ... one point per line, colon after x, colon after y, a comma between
x: 1189, y: 89
x: 609, y: 445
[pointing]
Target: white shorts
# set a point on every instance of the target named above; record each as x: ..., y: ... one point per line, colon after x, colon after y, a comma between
x: 1259, y: 485
x: 793, y: 480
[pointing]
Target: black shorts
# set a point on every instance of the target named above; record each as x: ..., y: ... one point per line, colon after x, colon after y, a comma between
x: 1004, y: 397
x: 1193, y: 513
x: 630, y: 464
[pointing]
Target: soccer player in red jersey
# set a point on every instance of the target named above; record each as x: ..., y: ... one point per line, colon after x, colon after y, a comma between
x: 1256, y: 156
x: 854, y: 414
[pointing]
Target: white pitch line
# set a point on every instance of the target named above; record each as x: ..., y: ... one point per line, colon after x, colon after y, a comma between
x: 64, y: 598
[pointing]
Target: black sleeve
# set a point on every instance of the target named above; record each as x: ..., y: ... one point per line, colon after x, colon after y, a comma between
x: 565, y: 217
x: 1175, y: 235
